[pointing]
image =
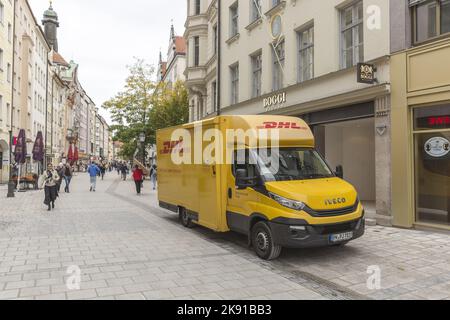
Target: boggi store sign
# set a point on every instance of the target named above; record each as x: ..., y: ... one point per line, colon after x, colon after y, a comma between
x: 274, y: 102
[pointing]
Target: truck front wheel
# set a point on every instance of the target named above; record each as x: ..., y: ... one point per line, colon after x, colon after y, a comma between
x: 185, y: 219
x: 262, y: 242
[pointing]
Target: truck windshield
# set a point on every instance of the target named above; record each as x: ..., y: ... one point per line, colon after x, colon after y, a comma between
x: 293, y: 164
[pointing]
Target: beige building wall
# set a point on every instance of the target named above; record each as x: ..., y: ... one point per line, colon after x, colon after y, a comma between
x: 6, y: 62
x: 30, y: 75
x: 200, y: 78
x: 333, y: 85
x: 296, y: 15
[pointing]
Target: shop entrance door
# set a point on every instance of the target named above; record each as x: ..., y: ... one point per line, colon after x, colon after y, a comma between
x: 432, y: 164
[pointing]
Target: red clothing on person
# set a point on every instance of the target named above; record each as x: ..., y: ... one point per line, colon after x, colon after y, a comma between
x: 138, y: 175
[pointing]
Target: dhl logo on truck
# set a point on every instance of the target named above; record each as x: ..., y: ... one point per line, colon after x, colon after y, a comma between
x: 282, y: 125
x: 171, y: 146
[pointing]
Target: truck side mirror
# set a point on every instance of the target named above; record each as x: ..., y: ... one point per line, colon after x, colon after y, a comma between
x: 340, y: 172
x: 243, y: 181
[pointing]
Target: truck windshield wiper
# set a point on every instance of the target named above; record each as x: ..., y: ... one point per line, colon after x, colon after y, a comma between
x: 318, y: 176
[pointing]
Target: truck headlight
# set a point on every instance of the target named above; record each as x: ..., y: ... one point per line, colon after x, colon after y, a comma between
x: 291, y: 204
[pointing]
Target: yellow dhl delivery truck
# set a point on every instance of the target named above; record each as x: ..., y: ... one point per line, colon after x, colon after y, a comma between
x: 292, y: 200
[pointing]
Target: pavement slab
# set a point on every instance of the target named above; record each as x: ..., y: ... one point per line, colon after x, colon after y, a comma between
x: 123, y: 246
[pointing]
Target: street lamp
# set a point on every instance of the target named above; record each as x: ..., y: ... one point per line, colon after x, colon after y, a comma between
x: 142, y: 139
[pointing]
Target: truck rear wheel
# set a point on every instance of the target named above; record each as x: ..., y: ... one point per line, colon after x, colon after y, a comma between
x: 185, y: 219
x: 262, y: 242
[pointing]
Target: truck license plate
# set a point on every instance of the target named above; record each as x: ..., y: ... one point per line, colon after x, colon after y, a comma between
x: 341, y: 237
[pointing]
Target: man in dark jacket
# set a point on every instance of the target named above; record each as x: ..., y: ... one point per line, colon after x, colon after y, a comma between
x: 60, y: 171
x: 68, y: 173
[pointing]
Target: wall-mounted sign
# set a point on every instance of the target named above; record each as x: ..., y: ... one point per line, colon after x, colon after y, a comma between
x: 437, y: 147
x: 274, y: 102
x: 366, y: 73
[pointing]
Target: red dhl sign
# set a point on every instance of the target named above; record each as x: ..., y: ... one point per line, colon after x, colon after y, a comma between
x: 282, y: 125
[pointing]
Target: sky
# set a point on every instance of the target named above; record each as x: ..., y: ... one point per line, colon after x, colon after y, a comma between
x: 103, y: 36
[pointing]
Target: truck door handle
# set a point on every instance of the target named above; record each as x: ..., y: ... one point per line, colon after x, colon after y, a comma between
x: 230, y: 193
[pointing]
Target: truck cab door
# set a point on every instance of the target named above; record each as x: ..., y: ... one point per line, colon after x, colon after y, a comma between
x: 241, y: 202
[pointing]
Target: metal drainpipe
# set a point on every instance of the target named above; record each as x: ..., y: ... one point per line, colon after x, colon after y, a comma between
x: 11, y: 184
x: 51, y: 127
x: 219, y: 50
x: 46, y: 118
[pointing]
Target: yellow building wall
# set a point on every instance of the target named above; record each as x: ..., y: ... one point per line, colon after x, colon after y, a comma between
x: 419, y: 77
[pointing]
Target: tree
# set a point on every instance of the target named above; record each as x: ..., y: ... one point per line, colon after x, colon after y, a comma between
x: 130, y: 108
x: 170, y: 107
x: 144, y: 106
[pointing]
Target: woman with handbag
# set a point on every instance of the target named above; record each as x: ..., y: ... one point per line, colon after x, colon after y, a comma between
x: 138, y: 177
x: 51, y: 179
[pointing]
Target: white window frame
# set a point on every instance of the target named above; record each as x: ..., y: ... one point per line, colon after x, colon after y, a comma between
x: 2, y: 12
x: 278, y: 63
x: 234, y: 19
x: 234, y: 82
x: 256, y: 64
x: 356, y: 24
x: 255, y: 10
x: 309, y: 50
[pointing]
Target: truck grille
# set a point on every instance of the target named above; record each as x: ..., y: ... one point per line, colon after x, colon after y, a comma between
x: 333, y: 213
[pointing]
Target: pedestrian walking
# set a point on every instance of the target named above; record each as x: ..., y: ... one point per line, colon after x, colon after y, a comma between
x: 102, y: 171
x: 68, y: 173
x: 138, y: 177
x: 124, y: 171
x: 153, y: 176
x: 51, y: 179
x: 60, y: 169
x: 93, y: 171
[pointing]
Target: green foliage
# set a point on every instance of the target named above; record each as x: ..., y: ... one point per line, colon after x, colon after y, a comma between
x: 170, y: 107
x: 144, y: 106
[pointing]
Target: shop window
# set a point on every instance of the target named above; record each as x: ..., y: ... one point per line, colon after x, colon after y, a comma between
x: 431, y: 18
x: 432, y: 164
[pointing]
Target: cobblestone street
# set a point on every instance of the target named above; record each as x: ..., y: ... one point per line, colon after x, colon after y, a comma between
x: 128, y: 248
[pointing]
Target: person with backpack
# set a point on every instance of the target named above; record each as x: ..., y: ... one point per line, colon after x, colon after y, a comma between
x: 68, y: 173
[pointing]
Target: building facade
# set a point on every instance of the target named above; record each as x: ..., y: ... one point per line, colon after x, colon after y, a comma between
x: 172, y: 70
x: 6, y: 65
x: 41, y: 92
x: 30, y: 77
x: 300, y: 59
x: 202, y: 40
x: 420, y: 71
